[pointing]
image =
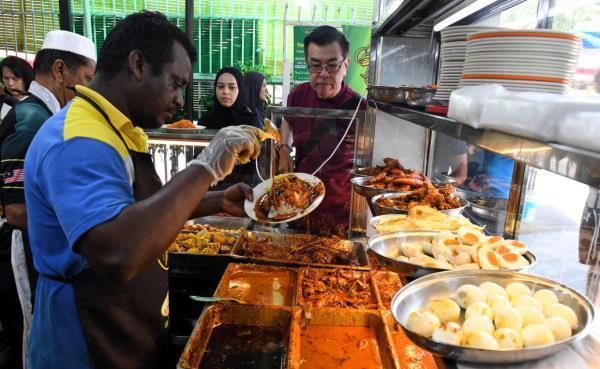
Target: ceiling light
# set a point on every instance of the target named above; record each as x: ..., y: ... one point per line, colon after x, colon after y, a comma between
x: 472, y: 7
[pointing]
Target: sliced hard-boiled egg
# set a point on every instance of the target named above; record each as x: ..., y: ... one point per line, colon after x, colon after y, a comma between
x: 443, y: 235
x: 560, y: 328
x: 499, y: 302
x: 449, y: 332
x: 531, y: 315
x: 504, y: 249
x: 488, y: 259
x: 512, y: 260
x: 468, y: 294
x: 508, y: 339
x: 518, y: 246
x: 478, y: 323
x: 458, y: 258
x: 471, y: 250
x: 517, y: 288
x: 508, y: 318
x: 470, y: 235
x: 411, y: 249
x: 524, y: 300
x: 562, y: 311
x: 479, y: 308
x: 468, y: 266
x: 537, y: 335
x: 491, y: 289
x: 492, y: 242
x: 545, y: 297
x: 481, y: 340
x: 445, y: 309
x: 423, y: 322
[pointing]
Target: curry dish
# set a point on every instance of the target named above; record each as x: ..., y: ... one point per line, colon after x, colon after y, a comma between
x: 289, y: 196
x: 337, y: 288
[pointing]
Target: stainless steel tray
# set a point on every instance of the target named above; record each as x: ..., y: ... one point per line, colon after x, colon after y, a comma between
x: 360, y: 187
x: 227, y: 223
x: 416, y: 295
x: 386, y: 248
x: 382, y: 210
x: 284, y: 242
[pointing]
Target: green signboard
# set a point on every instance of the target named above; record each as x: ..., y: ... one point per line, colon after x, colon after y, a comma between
x: 359, y: 38
x: 300, y: 69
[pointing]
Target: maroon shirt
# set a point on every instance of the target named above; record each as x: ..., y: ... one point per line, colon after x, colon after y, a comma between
x: 334, y: 211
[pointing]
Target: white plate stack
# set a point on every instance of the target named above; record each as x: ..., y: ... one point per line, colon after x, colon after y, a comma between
x: 453, y: 50
x: 521, y: 60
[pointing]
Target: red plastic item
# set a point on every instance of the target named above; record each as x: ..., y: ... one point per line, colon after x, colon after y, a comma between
x: 437, y: 109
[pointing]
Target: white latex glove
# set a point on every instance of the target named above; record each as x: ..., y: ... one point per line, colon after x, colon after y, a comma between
x: 231, y: 145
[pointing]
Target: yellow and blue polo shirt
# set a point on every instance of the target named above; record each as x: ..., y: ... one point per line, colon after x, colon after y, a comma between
x: 78, y: 174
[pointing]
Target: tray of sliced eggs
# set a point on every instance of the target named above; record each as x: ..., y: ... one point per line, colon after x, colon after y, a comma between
x: 491, y: 316
x: 418, y: 253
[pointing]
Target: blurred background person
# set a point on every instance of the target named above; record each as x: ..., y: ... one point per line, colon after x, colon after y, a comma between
x: 17, y: 75
x: 256, y: 93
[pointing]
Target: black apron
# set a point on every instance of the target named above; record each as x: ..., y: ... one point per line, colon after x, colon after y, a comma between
x: 125, y: 325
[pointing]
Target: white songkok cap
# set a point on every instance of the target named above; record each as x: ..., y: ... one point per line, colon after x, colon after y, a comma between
x: 69, y: 41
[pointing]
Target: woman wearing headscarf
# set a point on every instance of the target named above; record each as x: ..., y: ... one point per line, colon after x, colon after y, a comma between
x: 256, y: 95
x: 229, y: 103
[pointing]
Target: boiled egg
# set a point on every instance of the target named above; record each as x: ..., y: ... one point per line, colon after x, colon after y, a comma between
x: 411, y: 249
x: 440, y: 251
x: 427, y: 248
x: 508, y: 339
x: 478, y: 323
x: 439, y: 264
x: 508, y: 318
x: 421, y: 259
x: 488, y: 259
x: 531, y: 315
x: 524, y: 300
x: 445, y: 309
x: 469, y: 235
x: 479, y: 308
x: 517, y: 288
x: 545, y: 297
x: 458, y: 258
x: 559, y: 327
x: 562, y: 311
x: 503, y: 249
x: 449, y: 332
x: 423, y: 322
x: 481, y: 340
x: 468, y: 294
x: 468, y: 266
x: 518, y: 246
x: 442, y: 236
x: 490, y: 289
x: 471, y: 250
x: 492, y: 242
x: 512, y: 260
x: 499, y: 302
x: 537, y: 335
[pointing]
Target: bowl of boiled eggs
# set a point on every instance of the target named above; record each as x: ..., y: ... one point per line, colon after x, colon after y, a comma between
x: 491, y: 316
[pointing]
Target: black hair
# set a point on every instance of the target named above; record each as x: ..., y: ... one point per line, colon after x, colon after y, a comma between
x: 325, y: 35
x: 20, y: 68
x: 146, y: 31
x: 45, y: 58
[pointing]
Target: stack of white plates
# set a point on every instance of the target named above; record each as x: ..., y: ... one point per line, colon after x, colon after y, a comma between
x: 529, y: 60
x: 454, y: 48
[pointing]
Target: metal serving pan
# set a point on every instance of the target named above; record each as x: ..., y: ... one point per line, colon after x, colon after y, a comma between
x: 386, y: 248
x: 382, y: 210
x: 360, y: 187
x: 347, y: 318
x: 233, y: 314
x: 387, y: 94
x: 419, y: 96
x: 300, y: 295
x: 271, y: 281
x: 284, y: 242
x: 227, y: 223
x: 416, y: 295
x: 487, y: 213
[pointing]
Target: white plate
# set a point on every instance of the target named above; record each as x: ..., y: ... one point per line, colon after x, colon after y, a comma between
x: 527, y: 50
x: 183, y: 130
x: 265, y: 186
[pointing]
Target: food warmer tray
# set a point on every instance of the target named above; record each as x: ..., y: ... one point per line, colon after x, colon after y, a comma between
x: 416, y: 294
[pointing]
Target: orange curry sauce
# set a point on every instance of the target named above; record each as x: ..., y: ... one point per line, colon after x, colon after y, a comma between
x: 262, y: 288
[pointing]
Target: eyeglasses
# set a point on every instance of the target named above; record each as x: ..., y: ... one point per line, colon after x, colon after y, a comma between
x: 331, y: 68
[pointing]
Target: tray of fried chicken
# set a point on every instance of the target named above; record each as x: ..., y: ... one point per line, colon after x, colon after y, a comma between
x: 442, y: 198
x: 204, y: 239
x: 391, y: 177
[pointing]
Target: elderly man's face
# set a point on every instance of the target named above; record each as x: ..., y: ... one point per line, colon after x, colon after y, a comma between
x: 80, y: 76
x: 327, y: 67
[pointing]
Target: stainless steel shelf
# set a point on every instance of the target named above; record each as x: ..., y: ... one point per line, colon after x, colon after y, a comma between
x: 578, y: 164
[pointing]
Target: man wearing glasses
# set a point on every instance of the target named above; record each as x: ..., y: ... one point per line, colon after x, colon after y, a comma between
x: 315, y: 139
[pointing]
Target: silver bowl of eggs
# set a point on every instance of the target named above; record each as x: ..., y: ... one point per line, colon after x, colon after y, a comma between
x: 491, y: 316
x: 419, y: 253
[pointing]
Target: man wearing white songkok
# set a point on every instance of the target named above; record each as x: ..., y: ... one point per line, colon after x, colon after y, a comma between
x: 65, y: 60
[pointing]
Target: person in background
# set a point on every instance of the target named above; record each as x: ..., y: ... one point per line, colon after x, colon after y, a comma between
x: 256, y: 95
x: 326, y: 52
x: 66, y: 59
x: 17, y: 75
x: 229, y: 103
x: 451, y: 158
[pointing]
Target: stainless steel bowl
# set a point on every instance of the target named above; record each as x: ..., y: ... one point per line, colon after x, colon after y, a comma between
x: 386, y: 248
x: 416, y: 295
x: 360, y: 187
x: 381, y: 210
x: 387, y: 94
x: 362, y: 172
x: 420, y: 96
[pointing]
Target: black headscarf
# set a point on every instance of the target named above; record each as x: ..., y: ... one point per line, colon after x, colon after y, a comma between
x: 253, y: 82
x: 237, y: 114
